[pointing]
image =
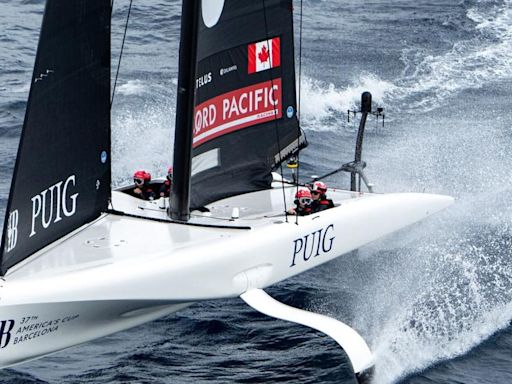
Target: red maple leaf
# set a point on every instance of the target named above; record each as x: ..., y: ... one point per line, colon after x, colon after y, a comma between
x: 263, y: 55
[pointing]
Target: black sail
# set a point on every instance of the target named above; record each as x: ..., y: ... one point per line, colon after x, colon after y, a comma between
x: 245, y: 121
x: 62, y: 174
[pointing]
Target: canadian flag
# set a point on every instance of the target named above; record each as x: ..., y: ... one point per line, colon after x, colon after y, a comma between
x: 264, y: 55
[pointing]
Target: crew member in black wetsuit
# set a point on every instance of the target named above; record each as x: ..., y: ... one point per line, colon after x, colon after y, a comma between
x: 165, y: 189
x: 302, y: 203
x: 142, y: 188
x: 320, y: 200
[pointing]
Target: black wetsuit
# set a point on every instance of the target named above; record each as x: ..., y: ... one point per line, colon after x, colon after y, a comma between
x: 322, y: 204
x: 146, y: 193
x: 165, y: 189
x: 303, y: 211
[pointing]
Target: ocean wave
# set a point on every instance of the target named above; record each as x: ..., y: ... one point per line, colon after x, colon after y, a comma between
x: 142, y: 139
x: 323, y: 105
x: 132, y: 87
x: 462, y: 297
x: 429, y: 79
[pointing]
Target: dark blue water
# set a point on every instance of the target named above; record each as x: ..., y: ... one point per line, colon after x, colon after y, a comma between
x: 434, y: 301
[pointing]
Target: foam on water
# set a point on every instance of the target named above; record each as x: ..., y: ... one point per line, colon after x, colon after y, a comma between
x: 431, y: 79
x: 437, y: 289
x: 323, y: 104
x: 440, y: 288
x: 460, y: 297
x: 428, y: 78
x: 143, y: 119
x: 132, y: 87
x: 142, y: 139
x: 434, y: 291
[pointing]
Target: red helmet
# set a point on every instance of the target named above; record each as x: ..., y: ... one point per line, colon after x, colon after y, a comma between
x: 141, y: 177
x: 303, y: 196
x: 319, y: 186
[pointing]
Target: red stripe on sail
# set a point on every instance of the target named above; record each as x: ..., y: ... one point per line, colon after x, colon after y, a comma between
x: 276, y: 52
x: 251, y: 54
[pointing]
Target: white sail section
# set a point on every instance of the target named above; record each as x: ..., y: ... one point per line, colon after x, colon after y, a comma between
x: 211, y: 11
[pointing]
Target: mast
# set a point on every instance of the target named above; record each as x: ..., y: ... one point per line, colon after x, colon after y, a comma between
x: 183, y: 133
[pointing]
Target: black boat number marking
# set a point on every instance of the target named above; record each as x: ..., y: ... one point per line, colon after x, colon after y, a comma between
x: 30, y: 328
x: 43, y: 211
x: 312, y: 245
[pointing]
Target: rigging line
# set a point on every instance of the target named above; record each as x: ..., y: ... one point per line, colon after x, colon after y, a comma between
x: 299, y: 109
x: 275, y: 114
x: 121, y: 53
x: 300, y: 62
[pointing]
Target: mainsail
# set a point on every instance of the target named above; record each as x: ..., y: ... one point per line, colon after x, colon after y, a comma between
x: 62, y: 174
x: 245, y: 121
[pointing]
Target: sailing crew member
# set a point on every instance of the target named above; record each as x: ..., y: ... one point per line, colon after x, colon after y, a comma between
x: 320, y: 200
x: 142, y: 188
x: 165, y: 189
x: 303, y: 202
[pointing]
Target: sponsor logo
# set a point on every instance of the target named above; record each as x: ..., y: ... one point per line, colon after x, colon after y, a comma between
x: 225, y: 71
x: 55, y: 201
x: 6, y: 327
x: 12, y: 231
x: 31, y: 327
x: 238, y: 109
x: 264, y: 55
x: 203, y: 80
x: 289, y: 112
x: 103, y: 157
x: 312, y: 245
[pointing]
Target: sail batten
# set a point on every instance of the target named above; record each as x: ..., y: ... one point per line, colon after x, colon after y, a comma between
x: 245, y: 98
x: 62, y: 173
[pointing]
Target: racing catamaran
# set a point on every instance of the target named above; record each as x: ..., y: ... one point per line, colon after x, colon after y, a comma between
x: 80, y: 261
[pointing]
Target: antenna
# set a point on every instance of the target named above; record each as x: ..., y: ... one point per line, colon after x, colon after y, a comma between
x: 366, y: 108
x: 356, y: 167
x: 378, y: 113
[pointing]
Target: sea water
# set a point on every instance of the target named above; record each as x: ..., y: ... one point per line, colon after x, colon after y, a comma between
x: 434, y: 301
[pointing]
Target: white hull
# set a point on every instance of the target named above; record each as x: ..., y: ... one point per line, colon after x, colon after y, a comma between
x: 121, y: 271
x: 43, y: 328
